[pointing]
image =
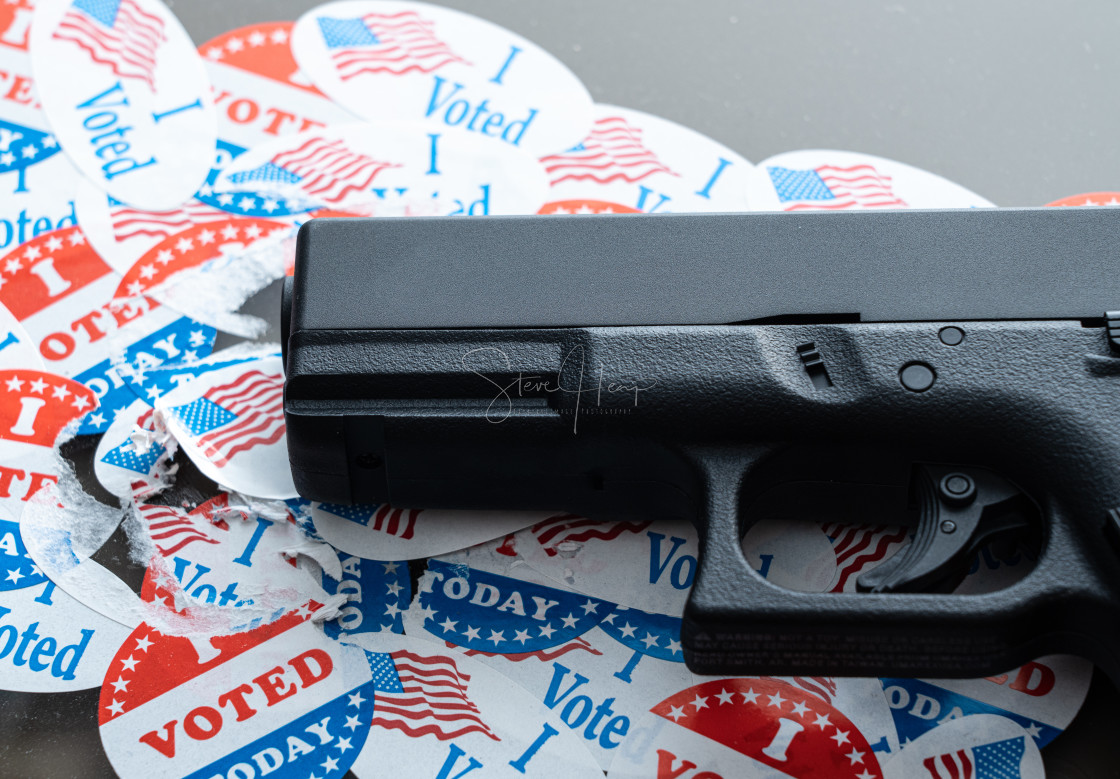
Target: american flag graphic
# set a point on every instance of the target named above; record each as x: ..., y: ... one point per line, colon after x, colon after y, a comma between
x: 554, y: 531
x: 131, y: 222
x: 236, y: 417
x: 422, y: 694
x: 998, y: 760
x: 324, y: 170
x: 172, y: 528
x: 117, y: 33
x: 856, y: 547
x: 384, y: 518
x: 397, y: 43
x: 612, y: 151
x: 829, y: 187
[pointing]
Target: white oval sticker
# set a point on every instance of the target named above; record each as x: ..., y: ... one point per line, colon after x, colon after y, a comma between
x: 127, y: 96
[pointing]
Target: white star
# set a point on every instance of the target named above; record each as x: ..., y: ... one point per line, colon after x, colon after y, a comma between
x: 7, y: 158
x: 392, y: 610
x: 234, y: 45
x: 448, y: 624
x: 589, y: 607
x: 426, y: 613
x: 269, y: 205
x: 279, y: 36
x: 800, y: 709
x: 30, y: 150
x: 246, y: 202
x: 12, y: 265
x: 147, y: 271
x: 206, y: 237
x: 522, y: 636
x: 224, y: 199
x: 130, y: 663
x: 121, y: 684
x: 256, y: 38
x: 855, y: 756
x: 49, y: 142
x: 214, y: 53
x: 390, y: 567
x: 352, y: 722
x: 197, y: 338
x: 34, y: 252
x: 54, y: 243
x: 14, y: 575
x: 674, y: 646
x: 80, y: 402
x: 650, y: 640
x: 750, y: 696
x: 142, y: 644
x: 1034, y: 730
x: 38, y: 386
x: 15, y: 384
x: 60, y: 392
x: 777, y: 700
x: 136, y: 288
x: 471, y: 633
x: 356, y: 699
x: 496, y: 636
x: 184, y: 245
x: 628, y: 630
x: 303, y: 611
x: 116, y: 707
x: 699, y: 703
x: 822, y: 721
x: 560, y: 210
x: 331, y: 764
x: 676, y: 712
x: 840, y: 737
x: 609, y: 619
x: 866, y: 775
x: 547, y: 630
x: 725, y: 697
x: 164, y: 256
x: 253, y: 231
x: 394, y: 589
x: 76, y: 238
x: 570, y: 620
x: 344, y: 744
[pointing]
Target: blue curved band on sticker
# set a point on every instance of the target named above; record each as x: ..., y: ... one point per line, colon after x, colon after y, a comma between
x: 656, y: 635
x: 182, y: 339
x: 17, y: 568
x: 380, y: 592
x: 298, y: 749
x: 493, y: 613
x: 918, y: 707
x: 252, y: 204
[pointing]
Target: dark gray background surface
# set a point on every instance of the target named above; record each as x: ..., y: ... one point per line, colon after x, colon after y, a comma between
x: 1014, y: 99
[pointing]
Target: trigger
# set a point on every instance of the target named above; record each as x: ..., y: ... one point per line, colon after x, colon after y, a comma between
x: 959, y: 511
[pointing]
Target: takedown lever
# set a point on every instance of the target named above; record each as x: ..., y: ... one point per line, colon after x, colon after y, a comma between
x: 959, y: 511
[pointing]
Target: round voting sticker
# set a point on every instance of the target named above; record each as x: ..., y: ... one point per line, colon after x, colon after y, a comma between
x: 829, y: 180
x: 649, y: 164
x: 280, y: 699
x: 981, y: 745
x: 727, y: 728
x: 126, y: 95
x: 438, y: 713
x: 408, y: 61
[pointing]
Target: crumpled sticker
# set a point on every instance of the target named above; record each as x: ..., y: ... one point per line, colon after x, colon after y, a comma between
x: 126, y: 95
x: 830, y: 180
x: 410, y: 61
x: 230, y: 422
x: 401, y: 169
x: 278, y: 697
x: 375, y: 594
x: 438, y: 713
x: 981, y: 745
x: 133, y: 456
x: 631, y: 160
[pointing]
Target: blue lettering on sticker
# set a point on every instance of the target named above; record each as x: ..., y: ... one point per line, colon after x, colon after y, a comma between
x: 918, y: 707
x: 379, y: 594
x: 452, y: 106
x: 683, y: 569
x: 108, y: 133
x: 20, y: 228
x: 493, y: 613
x: 595, y: 722
x: 24, y: 646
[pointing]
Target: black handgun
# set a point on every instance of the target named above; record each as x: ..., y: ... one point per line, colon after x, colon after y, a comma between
x: 955, y: 369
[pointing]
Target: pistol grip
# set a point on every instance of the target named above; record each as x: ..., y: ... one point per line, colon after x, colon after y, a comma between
x: 736, y: 622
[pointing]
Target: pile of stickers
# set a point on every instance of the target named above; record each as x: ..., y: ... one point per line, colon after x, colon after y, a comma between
x: 149, y: 188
